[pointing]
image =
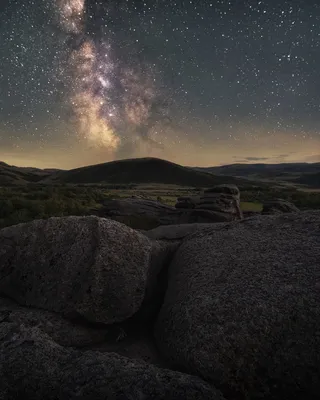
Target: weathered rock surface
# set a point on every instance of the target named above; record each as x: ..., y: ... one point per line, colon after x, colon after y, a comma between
x: 242, y: 309
x: 35, y: 367
x: 129, y: 339
x: 88, y: 266
x: 279, y: 207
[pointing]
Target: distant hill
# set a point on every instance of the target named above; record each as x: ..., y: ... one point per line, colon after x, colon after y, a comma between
x: 300, y: 173
x: 263, y: 170
x: 12, y: 175
x: 140, y: 170
x: 154, y: 170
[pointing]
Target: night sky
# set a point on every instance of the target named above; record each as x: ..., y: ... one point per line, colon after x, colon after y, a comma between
x: 196, y: 82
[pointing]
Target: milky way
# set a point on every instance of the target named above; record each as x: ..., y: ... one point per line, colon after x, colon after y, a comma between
x: 71, y: 15
x: 107, y: 99
x: 195, y: 81
x: 90, y: 79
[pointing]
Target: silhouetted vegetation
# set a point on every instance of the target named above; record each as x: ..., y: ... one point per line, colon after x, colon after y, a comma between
x: 302, y: 199
x: 21, y: 204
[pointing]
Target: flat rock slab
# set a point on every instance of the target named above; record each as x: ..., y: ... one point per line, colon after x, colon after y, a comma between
x: 88, y: 266
x: 242, y: 309
x: 34, y: 367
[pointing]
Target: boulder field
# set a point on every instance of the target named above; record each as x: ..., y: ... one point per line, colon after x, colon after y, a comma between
x: 92, y: 309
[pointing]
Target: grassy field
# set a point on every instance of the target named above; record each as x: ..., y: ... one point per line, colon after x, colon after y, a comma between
x: 27, y: 202
x: 251, y: 206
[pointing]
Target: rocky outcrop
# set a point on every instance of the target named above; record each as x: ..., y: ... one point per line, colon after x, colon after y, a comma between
x: 91, y: 267
x: 141, y: 213
x: 34, y: 367
x: 278, y: 207
x: 222, y: 199
x: 242, y: 308
x: 157, y: 214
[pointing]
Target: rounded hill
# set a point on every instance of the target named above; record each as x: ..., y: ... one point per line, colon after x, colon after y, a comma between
x: 140, y: 170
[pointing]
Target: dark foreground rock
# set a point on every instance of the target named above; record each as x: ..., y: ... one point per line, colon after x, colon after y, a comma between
x: 34, y: 367
x: 131, y: 340
x: 242, y: 309
x: 78, y: 266
x: 61, y: 330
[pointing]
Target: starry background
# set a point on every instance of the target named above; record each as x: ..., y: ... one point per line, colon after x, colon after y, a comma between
x: 196, y: 82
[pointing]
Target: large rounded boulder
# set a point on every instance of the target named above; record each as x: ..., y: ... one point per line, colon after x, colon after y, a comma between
x: 91, y: 267
x: 242, y: 308
x: 35, y: 367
